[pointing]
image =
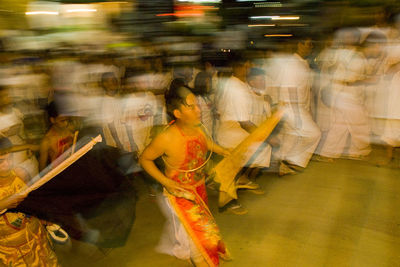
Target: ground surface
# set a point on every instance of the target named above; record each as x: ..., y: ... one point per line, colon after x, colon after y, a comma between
x: 345, y: 213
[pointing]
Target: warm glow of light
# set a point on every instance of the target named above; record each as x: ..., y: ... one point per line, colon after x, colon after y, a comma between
x: 278, y: 35
x: 81, y: 10
x: 190, y: 13
x: 262, y: 25
x: 286, y: 18
x: 41, y: 13
x: 195, y: 7
x: 276, y: 17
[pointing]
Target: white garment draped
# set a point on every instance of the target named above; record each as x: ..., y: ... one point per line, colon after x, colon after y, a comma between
x: 235, y: 106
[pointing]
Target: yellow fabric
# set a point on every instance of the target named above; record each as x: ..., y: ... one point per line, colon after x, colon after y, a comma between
x: 23, y: 239
x: 226, y: 170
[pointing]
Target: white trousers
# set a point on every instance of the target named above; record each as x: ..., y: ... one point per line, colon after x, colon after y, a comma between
x: 299, y: 138
x: 349, y: 121
x: 230, y: 135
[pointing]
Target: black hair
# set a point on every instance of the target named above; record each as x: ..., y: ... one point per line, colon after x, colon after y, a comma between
x: 200, y: 83
x: 176, y: 83
x: 174, y: 98
x: 53, y: 110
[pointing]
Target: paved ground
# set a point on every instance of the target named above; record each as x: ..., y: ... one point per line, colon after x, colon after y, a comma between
x: 345, y: 213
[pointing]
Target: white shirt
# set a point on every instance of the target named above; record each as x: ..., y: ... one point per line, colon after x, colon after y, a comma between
x: 138, y: 114
x: 295, y: 73
x: 260, y: 109
x: 235, y: 103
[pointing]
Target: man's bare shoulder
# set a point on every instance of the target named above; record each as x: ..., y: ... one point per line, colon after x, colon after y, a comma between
x: 168, y: 137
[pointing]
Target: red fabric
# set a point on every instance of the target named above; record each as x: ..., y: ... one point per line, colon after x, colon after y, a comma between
x: 195, y: 215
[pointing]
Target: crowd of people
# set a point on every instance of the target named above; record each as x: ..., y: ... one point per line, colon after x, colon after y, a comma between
x: 336, y: 102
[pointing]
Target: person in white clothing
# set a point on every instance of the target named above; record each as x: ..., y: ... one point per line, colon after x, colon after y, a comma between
x: 113, y: 129
x: 140, y: 107
x: 349, y: 115
x: 260, y: 107
x: 299, y: 133
x: 202, y: 87
x: 235, y: 108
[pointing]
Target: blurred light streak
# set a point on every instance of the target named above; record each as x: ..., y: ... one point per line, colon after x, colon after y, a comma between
x: 195, y: 7
x: 183, y: 14
x: 261, y: 25
x: 268, y: 4
x: 81, y: 10
x: 41, y: 13
x: 276, y: 17
x: 278, y: 35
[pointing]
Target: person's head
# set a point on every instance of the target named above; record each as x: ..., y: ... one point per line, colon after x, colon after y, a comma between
x: 57, y: 120
x: 6, y: 162
x: 109, y: 82
x: 256, y: 79
x: 182, y: 106
x: 202, y: 83
x: 304, y: 46
x: 240, y: 67
x: 373, y: 45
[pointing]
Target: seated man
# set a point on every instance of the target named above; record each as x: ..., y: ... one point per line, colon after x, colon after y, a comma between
x: 23, y: 239
x: 235, y: 110
x: 193, y: 233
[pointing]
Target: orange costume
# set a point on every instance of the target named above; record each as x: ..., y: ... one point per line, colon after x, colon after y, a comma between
x: 199, y: 224
x: 23, y: 239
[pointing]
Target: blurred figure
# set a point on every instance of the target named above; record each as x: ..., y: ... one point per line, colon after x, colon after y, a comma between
x: 113, y: 129
x: 349, y: 115
x: 391, y: 131
x: 12, y: 127
x: 139, y: 111
x: 261, y: 108
x: 326, y: 64
x: 235, y: 110
x: 202, y: 90
x: 300, y: 134
x: 23, y: 238
x: 376, y: 84
x: 57, y: 140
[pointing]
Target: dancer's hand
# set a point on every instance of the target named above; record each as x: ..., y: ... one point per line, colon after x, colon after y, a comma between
x: 226, y: 152
x: 179, y: 190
